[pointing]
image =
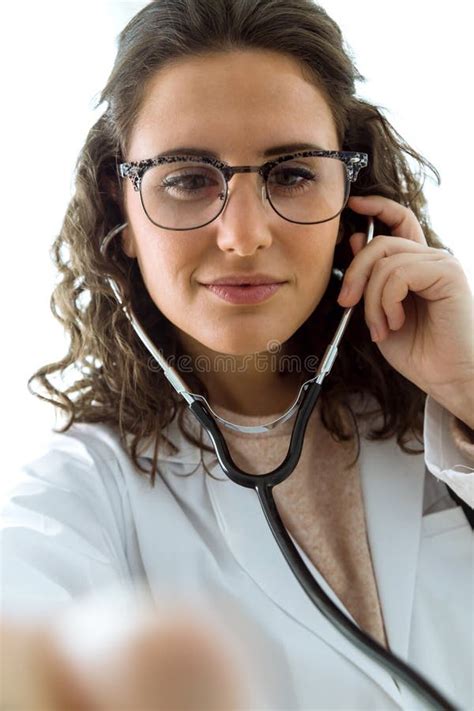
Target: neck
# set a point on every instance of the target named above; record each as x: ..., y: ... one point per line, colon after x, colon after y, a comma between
x: 251, y: 384
x: 252, y: 395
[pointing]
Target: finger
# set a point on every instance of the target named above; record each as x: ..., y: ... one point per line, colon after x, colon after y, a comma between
x: 391, y: 284
x: 162, y: 663
x: 360, y: 269
x: 35, y: 675
x: 357, y: 242
x: 401, y: 221
x: 166, y: 657
x: 170, y: 666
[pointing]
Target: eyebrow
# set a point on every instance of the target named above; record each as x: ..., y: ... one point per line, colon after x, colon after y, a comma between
x: 273, y: 151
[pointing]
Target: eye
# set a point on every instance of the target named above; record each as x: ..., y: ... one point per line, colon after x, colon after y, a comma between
x: 189, y: 182
x: 287, y: 176
x: 291, y: 178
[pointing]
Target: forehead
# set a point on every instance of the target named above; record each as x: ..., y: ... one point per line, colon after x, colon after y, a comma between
x: 234, y: 103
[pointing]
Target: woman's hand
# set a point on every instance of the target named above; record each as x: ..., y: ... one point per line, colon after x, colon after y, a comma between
x: 418, y: 305
x: 174, y: 662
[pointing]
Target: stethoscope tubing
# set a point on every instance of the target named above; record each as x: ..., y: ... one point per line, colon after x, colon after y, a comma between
x: 388, y: 660
x: 263, y: 486
x: 283, y: 471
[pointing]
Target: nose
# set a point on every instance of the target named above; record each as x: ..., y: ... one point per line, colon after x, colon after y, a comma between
x: 244, y: 226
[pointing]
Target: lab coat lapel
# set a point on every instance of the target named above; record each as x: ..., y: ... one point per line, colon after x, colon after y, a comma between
x: 395, y: 551
x: 392, y: 488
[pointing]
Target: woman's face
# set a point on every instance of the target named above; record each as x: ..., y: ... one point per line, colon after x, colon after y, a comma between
x: 235, y: 105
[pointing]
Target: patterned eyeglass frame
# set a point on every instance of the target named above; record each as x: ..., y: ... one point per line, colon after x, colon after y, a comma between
x: 353, y: 162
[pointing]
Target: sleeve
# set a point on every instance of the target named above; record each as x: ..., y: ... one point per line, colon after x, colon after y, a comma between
x: 60, y: 531
x: 449, y: 452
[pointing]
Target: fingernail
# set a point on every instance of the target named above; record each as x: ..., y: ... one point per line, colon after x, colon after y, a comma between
x: 374, y: 334
x: 344, y: 293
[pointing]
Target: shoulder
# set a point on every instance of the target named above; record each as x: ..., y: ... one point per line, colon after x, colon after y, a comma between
x: 65, y: 520
x: 90, y: 446
x: 86, y: 464
x: 96, y: 442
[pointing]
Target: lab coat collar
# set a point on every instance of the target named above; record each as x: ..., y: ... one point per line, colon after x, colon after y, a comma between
x: 187, y: 452
x: 392, y: 489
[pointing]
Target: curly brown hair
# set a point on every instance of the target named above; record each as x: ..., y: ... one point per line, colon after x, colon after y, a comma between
x: 113, y: 382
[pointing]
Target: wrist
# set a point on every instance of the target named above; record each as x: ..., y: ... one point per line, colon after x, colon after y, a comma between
x: 458, y: 399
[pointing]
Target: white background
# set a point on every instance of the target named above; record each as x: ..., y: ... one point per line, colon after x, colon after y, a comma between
x: 56, y: 57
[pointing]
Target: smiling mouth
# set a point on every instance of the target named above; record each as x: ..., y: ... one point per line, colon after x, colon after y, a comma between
x: 244, y: 293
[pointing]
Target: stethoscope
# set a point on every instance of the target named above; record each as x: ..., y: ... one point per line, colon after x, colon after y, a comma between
x: 263, y: 484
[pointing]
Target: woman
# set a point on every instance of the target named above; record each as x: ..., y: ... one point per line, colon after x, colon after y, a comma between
x: 131, y: 489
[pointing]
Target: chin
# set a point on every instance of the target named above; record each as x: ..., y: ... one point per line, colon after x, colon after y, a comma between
x: 238, y: 346
x: 238, y: 350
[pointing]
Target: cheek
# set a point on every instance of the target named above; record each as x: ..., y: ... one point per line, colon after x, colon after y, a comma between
x: 313, y: 255
x: 166, y: 261
x: 167, y: 266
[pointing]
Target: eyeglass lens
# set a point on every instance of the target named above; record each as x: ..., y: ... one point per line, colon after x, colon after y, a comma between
x: 188, y: 195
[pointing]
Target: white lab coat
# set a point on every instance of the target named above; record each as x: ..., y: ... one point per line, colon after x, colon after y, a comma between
x: 80, y: 518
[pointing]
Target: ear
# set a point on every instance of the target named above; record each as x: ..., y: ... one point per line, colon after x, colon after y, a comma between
x: 128, y: 243
x: 127, y: 239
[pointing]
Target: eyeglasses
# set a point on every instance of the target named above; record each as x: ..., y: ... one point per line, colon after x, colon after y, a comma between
x: 183, y: 192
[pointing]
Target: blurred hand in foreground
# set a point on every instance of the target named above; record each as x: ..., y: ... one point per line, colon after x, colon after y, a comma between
x: 171, y: 661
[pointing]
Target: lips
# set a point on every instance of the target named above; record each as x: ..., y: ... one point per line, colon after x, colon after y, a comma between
x: 244, y: 280
x: 241, y: 294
